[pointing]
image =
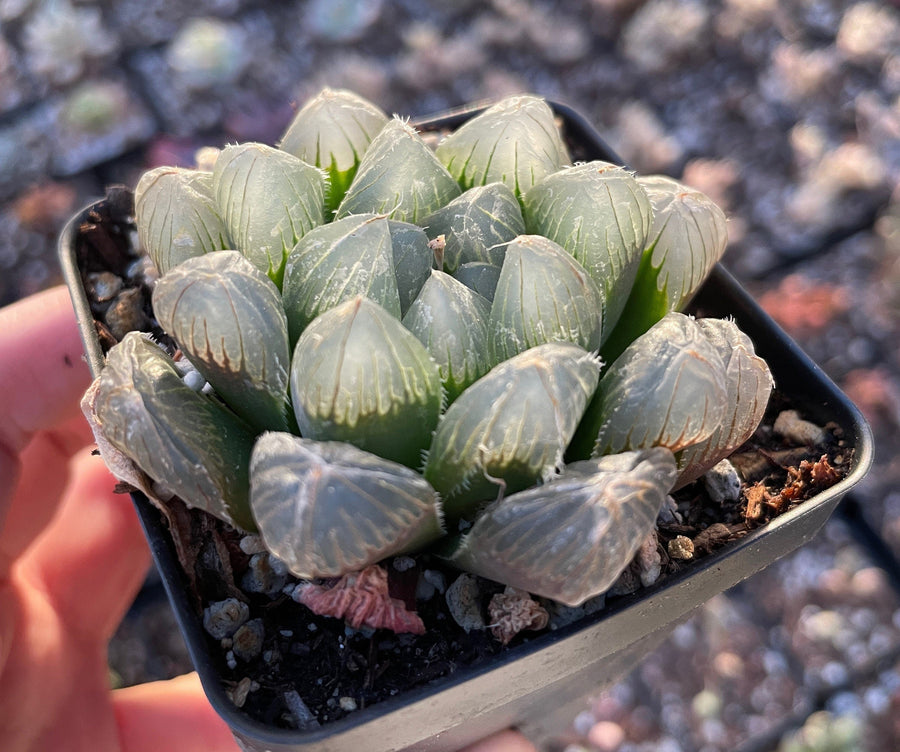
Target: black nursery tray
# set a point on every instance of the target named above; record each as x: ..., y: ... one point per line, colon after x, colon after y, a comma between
x: 521, y: 684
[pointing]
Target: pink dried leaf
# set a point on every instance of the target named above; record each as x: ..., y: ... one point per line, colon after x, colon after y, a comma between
x: 362, y: 600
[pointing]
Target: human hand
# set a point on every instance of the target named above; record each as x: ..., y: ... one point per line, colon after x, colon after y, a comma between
x: 72, y: 557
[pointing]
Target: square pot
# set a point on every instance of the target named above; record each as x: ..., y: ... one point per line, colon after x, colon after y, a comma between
x: 517, y: 686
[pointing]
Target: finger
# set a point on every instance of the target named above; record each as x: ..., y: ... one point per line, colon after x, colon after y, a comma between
x: 42, y: 376
x: 42, y: 371
x: 505, y: 741
x: 40, y: 477
x: 92, y: 558
x: 169, y: 715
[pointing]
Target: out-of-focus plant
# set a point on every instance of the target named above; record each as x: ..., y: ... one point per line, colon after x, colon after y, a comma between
x: 392, y: 347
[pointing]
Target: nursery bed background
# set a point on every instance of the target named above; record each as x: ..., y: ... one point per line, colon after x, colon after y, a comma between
x: 786, y: 113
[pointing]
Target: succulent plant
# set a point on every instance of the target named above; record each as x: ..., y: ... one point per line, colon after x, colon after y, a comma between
x: 402, y: 343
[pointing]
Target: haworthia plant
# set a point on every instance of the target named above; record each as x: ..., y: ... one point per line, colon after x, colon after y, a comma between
x: 328, y: 508
x: 446, y: 307
x: 480, y: 277
x: 359, y: 376
x: 332, y: 131
x: 399, y: 176
x: 510, y: 428
x: 601, y: 215
x: 515, y: 142
x: 228, y: 319
x: 177, y: 216
x: 543, y: 295
x: 338, y: 261
x: 181, y: 438
x: 269, y: 200
x: 687, y: 237
x: 477, y: 225
x: 667, y: 389
x: 748, y: 383
x: 452, y: 322
x: 569, y: 539
x: 413, y: 260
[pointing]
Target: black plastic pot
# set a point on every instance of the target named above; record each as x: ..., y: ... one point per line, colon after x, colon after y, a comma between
x: 521, y: 685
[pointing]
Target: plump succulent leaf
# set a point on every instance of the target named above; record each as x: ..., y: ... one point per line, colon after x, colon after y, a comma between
x: 749, y: 384
x: 332, y: 131
x: 480, y: 277
x: 510, y: 428
x: 452, y: 322
x: 570, y: 539
x: 336, y: 262
x: 413, y: 260
x: 687, y: 237
x: 399, y: 176
x: 328, y: 508
x: 515, y: 142
x: 600, y: 214
x: 184, y: 440
x: 228, y: 319
x: 177, y: 217
x: 543, y: 295
x: 477, y: 225
x: 359, y: 376
x: 269, y: 200
x: 667, y: 389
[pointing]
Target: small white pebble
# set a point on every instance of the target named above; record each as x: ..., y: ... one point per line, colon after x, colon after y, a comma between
x: 403, y: 563
x: 252, y: 544
x: 194, y: 381
x: 230, y: 660
x: 792, y: 427
x: 348, y: 704
x: 222, y: 618
x: 669, y: 513
x: 722, y: 482
x: 464, y: 599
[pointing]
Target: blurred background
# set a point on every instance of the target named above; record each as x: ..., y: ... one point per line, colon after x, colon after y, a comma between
x: 786, y: 113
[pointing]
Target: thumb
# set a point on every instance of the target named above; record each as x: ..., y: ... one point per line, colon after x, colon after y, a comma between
x: 172, y: 714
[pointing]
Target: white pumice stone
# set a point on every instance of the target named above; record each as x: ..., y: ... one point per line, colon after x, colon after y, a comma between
x: 722, y: 482
x: 222, y: 618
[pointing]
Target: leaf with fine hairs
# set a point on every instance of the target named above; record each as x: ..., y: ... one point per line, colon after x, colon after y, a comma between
x: 177, y: 217
x: 667, y: 389
x: 400, y: 177
x: 515, y: 141
x: 600, y: 214
x: 228, y: 319
x: 269, y: 200
x: 510, y: 428
x: 328, y: 508
x: 332, y: 131
x: 570, y: 539
x: 749, y: 383
x: 185, y: 441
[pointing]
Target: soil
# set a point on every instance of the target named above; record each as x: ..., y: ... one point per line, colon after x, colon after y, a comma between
x: 332, y: 668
